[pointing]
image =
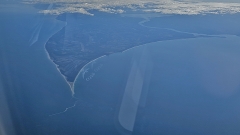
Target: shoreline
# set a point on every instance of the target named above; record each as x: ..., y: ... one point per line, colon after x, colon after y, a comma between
x: 49, y: 58
x: 141, y: 23
x: 71, y: 84
x: 73, y: 92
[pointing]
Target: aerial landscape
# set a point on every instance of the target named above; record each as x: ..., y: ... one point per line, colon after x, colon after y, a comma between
x: 80, y: 45
x: 82, y: 40
x: 108, y: 67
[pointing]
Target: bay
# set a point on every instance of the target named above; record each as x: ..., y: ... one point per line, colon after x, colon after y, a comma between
x: 188, y: 86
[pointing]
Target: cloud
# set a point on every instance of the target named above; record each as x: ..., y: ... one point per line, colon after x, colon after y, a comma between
x: 185, y: 7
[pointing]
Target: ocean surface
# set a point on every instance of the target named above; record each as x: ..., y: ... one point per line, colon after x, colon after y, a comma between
x: 186, y: 86
x: 33, y: 87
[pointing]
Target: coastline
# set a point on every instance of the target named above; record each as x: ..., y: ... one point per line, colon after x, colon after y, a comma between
x: 141, y: 23
x: 147, y: 19
x: 72, y: 89
x: 71, y: 84
x: 48, y: 56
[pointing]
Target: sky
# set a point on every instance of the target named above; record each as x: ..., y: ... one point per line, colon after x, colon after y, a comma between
x: 186, y: 7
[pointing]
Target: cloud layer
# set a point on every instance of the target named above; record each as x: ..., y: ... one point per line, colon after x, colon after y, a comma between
x: 186, y: 7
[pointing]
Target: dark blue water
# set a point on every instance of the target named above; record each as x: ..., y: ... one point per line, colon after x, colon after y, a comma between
x: 189, y: 87
x: 33, y: 87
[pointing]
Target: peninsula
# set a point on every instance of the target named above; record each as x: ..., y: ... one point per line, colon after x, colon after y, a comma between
x: 86, y: 38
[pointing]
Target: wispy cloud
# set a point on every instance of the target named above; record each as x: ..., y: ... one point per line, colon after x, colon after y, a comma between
x: 186, y: 7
